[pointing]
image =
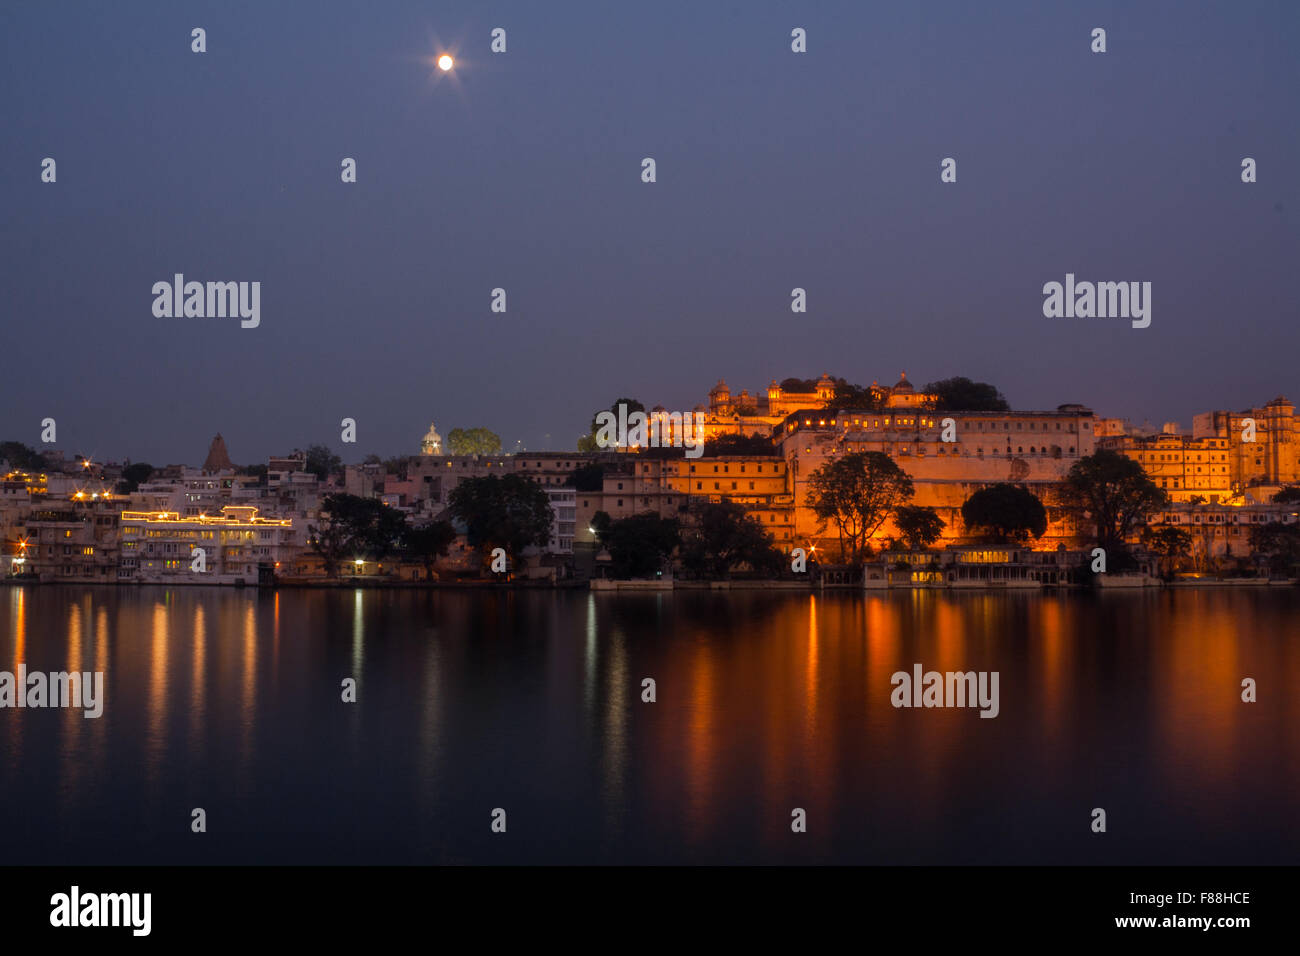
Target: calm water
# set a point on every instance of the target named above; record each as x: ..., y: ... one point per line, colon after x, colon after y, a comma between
x: 230, y: 701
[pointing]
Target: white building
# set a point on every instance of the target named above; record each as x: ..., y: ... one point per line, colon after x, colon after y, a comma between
x: 237, y: 545
x: 565, y: 506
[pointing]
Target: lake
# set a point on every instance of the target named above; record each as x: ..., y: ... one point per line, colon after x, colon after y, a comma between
x: 531, y: 702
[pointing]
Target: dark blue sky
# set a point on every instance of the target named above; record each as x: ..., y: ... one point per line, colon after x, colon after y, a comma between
x: 522, y: 170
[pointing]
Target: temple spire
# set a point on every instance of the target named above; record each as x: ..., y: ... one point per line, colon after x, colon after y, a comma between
x: 218, y: 458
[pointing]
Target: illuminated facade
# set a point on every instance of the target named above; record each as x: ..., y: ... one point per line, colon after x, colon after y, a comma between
x: 71, y: 540
x: 1033, y: 449
x: 1223, y: 530
x: 759, y: 414
x: 1184, y: 467
x: 237, y: 545
x: 1271, y: 459
x: 669, y: 487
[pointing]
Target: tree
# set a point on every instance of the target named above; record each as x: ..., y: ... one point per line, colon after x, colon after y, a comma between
x: 322, y: 462
x: 427, y: 543
x: 960, y: 394
x: 639, y: 545
x: 588, y: 442
x: 473, y: 441
x: 510, y: 512
x: 587, y: 478
x: 858, y: 493
x: 1167, y: 541
x: 352, y: 528
x: 918, y: 526
x: 133, y: 476
x: 799, y: 385
x: 1278, y: 543
x: 256, y: 471
x: 848, y: 395
x: 1005, y: 513
x: 1288, y: 495
x: 724, y: 536
x: 21, y: 457
x: 1111, y: 492
x: 738, y: 445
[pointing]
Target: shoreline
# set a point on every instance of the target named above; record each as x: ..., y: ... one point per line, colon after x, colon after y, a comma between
x: 658, y: 587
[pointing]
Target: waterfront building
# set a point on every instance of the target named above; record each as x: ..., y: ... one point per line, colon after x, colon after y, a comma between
x: 70, y: 540
x: 1222, y: 530
x: 239, y: 545
x: 671, y: 487
x: 1034, y: 449
x: 1272, y: 459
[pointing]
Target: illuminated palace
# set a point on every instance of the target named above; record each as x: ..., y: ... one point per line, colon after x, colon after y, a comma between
x: 761, y: 413
x: 1211, y: 474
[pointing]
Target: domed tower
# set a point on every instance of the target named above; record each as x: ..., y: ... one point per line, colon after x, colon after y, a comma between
x: 720, y: 398
x: 903, y: 394
x: 825, y: 388
x: 431, y: 444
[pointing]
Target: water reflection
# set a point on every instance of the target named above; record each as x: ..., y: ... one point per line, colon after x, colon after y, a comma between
x: 766, y: 702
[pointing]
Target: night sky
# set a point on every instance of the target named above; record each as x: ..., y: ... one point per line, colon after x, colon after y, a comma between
x: 522, y: 170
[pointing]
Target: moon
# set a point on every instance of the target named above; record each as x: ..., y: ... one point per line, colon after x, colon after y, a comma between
x: 445, y: 63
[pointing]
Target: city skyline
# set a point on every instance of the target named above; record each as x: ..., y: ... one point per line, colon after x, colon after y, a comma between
x: 353, y: 453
